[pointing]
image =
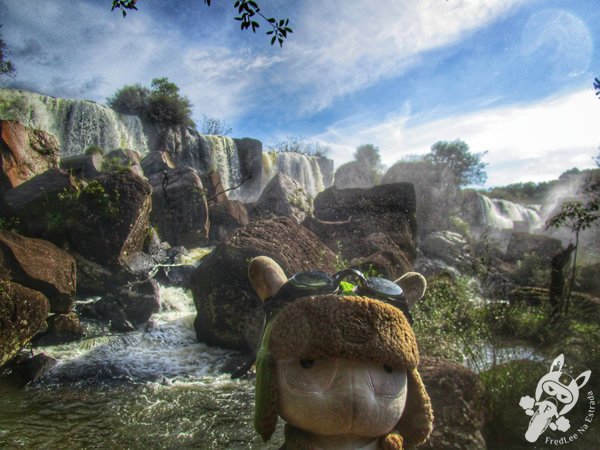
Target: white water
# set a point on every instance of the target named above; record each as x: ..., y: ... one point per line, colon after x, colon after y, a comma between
x: 169, y: 352
x: 302, y: 168
x: 77, y: 124
x: 225, y: 160
x: 502, y: 214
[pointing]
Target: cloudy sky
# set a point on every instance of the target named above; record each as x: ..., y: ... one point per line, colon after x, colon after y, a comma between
x: 513, y: 77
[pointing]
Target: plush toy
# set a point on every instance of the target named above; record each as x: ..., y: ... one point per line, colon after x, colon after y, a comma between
x: 338, y: 360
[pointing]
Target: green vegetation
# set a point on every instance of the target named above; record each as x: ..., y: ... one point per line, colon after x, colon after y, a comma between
x: 248, y: 13
x: 466, y: 167
x: 10, y: 223
x: 115, y: 165
x: 162, y: 104
x: 93, y: 150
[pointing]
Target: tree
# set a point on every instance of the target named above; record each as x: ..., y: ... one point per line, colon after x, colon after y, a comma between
x: 369, y: 156
x: 248, y: 11
x: 218, y: 127
x: 297, y: 144
x: 577, y: 216
x: 6, y: 66
x: 466, y: 167
x: 162, y: 104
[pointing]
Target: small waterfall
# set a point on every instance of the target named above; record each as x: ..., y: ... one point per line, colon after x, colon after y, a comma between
x: 505, y: 215
x: 77, y: 124
x: 269, y: 166
x: 225, y: 160
x: 302, y: 168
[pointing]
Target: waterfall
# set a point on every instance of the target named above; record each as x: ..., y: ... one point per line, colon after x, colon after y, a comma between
x: 77, y: 124
x: 503, y: 214
x: 302, y: 168
x: 224, y: 159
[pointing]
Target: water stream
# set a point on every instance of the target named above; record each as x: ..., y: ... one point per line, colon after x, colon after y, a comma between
x: 148, y: 389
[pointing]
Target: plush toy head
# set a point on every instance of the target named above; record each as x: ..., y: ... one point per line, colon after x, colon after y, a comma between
x: 339, y: 368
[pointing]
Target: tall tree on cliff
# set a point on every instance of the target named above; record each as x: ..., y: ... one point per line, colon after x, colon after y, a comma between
x: 466, y: 167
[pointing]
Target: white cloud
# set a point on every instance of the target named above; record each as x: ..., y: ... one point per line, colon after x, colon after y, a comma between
x: 533, y: 142
x: 347, y: 46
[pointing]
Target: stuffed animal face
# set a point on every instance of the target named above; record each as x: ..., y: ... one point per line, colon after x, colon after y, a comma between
x: 339, y: 369
x: 336, y: 396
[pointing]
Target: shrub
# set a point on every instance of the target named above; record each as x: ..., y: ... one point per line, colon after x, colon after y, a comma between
x: 93, y: 150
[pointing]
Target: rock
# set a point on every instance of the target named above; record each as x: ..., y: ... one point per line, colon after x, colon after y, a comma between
x: 121, y: 325
x: 250, y: 154
x: 156, y: 162
x: 226, y: 217
x: 229, y: 311
x: 154, y: 247
x: 83, y: 166
x: 522, y: 244
x: 39, y: 265
x: 31, y: 370
x: 448, y: 246
x: 215, y: 192
x: 345, y: 218
x: 122, y: 161
x: 95, y: 279
x: 62, y: 328
x: 36, y: 201
x: 22, y: 312
x: 134, y: 303
x: 283, y: 197
x: 457, y: 398
x: 385, y: 258
x: 24, y: 153
x: 177, y: 276
x: 179, y: 208
x: 110, y: 222
x: 354, y: 175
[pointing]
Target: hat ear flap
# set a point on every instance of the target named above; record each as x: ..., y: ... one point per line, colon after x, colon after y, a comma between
x: 417, y: 419
x: 265, y: 403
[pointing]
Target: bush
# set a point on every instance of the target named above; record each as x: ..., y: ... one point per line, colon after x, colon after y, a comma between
x: 93, y: 150
x: 297, y: 144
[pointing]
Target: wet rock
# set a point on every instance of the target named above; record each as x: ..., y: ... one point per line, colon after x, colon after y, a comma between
x: 283, y: 197
x: 353, y: 175
x: 177, y: 276
x: 83, y: 166
x: 22, y: 312
x: 215, y: 192
x: 31, y: 370
x: 179, y: 208
x: 457, y: 398
x: 156, y: 248
x: 39, y: 265
x: 24, y: 153
x: 226, y: 217
x: 121, y: 325
x: 62, y: 328
x: 385, y: 258
x: 229, y: 311
x: 156, y: 162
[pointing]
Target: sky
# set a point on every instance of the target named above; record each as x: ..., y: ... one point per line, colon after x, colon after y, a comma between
x: 510, y: 77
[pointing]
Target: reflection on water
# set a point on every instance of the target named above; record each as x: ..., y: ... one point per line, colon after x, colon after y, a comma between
x: 148, y: 389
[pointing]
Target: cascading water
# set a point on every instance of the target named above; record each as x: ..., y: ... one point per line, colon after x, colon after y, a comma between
x: 302, y: 168
x: 77, y: 124
x: 225, y: 160
x: 502, y: 214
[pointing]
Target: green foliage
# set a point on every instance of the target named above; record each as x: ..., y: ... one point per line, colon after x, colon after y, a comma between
x: 248, y: 11
x: 532, y: 270
x: 89, y: 199
x: 369, y: 157
x: 297, y: 144
x: 10, y: 223
x: 115, y: 165
x: 93, y: 150
x: 466, y: 167
x: 162, y: 104
x: 213, y: 126
x: 7, y: 68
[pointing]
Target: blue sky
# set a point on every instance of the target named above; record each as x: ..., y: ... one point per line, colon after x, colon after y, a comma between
x: 513, y: 77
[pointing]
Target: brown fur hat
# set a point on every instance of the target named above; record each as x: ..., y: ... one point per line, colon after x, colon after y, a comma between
x: 351, y: 327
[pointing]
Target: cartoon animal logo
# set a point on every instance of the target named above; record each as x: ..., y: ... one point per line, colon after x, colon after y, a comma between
x: 556, y: 394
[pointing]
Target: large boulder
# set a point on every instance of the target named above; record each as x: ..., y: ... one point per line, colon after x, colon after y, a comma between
x: 229, y: 311
x: 62, y: 328
x: 123, y: 160
x: 458, y: 402
x: 22, y: 312
x: 215, y: 192
x: 24, y: 153
x: 110, y: 222
x: 522, y: 244
x: 344, y: 218
x: 353, y: 175
x: 156, y: 162
x: 39, y: 265
x: 179, y: 208
x: 283, y: 197
x: 226, y: 217
x: 83, y: 166
x: 450, y: 247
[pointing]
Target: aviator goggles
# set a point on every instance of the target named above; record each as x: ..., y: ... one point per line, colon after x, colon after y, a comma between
x: 316, y: 282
